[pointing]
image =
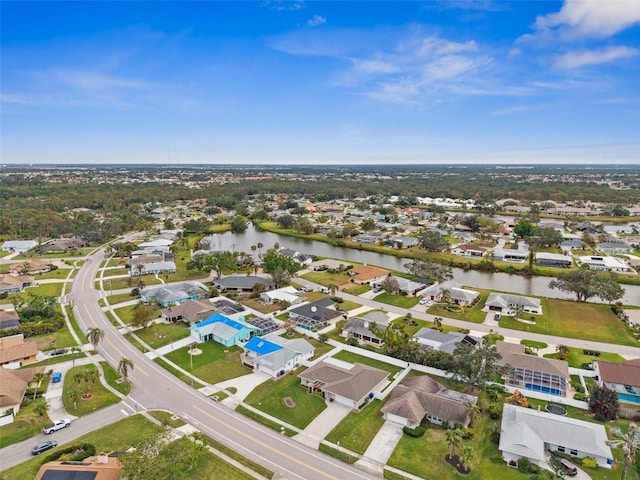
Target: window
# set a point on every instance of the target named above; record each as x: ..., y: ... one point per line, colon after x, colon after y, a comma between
x: 561, y: 448
x: 573, y: 453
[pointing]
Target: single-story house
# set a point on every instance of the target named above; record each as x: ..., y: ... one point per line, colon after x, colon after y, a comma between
x: 623, y: 378
x: 420, y: 397
x: 285, y: 294
x: 9, y: 319
x: 606, y: 264
x: 571, y: 244
x: 173, y: 294
x: 223, y: 330
x: 350, y: 384
x: 529, y: 433
x: 15, y: 283
x: 401, y: 242
x: 613, y: 246
x: 62, y: 245
x: 457, y: 294
x: 13, y: 385
x: 301, y: 258
x: 100, y: 467
x: 264, y: 325
x: 370, y: 238
x: 164, y: 252
x: 358, y: 328
x: 546, y: 259
x: 152, y: 268
x: 466, y: 250
x: 18, y: 246
x: 15, y: 352
x: 189, y: 312
x: 405, y: 286
x: 530, y: 372
x: 366, y: 275
x: 510, y: 255
x: 275, y: 355
x: 242, y: 283
x: 506, y: 303
x: 161, y: 242
x: 443, y: 342
x: 314, y: 315
x: 31, y: 267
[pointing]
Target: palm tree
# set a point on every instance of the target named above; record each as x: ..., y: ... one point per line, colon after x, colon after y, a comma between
x: 73, y: 396
x: 40, y: 406
x: 95, y: 335
x: 124, y: 366
x: 37, y: 378
x: 469, y: 457
x: 629, y: 441
x: 437, y: 323
x: 453, y: 439
x: 74, y: 350
x: 259, y: 246
x: 445, y: 295
x: 473, y: 411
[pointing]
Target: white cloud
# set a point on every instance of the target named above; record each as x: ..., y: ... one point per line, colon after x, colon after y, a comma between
x: 282, y: 5
x: 581, y: 58
x: 316, y: 20
x: 375, y: 66
x: 588, y: 18
x: 90, y: 80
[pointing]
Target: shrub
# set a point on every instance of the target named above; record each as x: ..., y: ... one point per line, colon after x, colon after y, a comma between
x: 496, y: 459
x: 580, y: 396
x: 80, y: 452
x: 589, y: 462
x: 468, y: 433
x: 495, y: 410
x: 524, y: 464
x: 415, y: 432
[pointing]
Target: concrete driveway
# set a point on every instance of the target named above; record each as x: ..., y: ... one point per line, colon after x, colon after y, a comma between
x: 244, y: 384
x: 323, y: 424
x: 381, y: 448
x: 53, y: 396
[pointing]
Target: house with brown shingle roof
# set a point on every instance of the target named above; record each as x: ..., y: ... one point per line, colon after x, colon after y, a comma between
x: 530, y: 372
x: 9, y: 319
x: 365, y: 274
x: 623, y: 378
x: 15, y: 351
x: 189, y: 312
x: 15, y: 283
x: 350, y: 384
x: 420, y: 397
x: 33, y: 266
x: 13, y: 384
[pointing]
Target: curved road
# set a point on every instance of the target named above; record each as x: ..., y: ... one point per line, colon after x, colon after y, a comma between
x: 155, y: 388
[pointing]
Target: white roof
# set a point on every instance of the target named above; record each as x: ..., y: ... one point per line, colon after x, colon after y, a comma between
x: 609, y: 262
x: 288, y: 294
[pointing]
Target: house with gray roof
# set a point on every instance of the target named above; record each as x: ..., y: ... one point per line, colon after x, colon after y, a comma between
x: 433, y: 339
x: 546, y: 259
x: 175, y: 293
x: 401, y: 242
x: 315, y: 315
x: 530, y: 372
x: 18, y: 246
x: 405, y: 286
x: 613, y: 246
x: 350, y: 384
x: 152, y: 268
x: 420, y: 397
x: 358, y: 328
x: 508, y: 303
x: 275, y: 355
x: 510, y: 255
x: 529, y: 433
x: 457, y: 294
x: 241, y: 283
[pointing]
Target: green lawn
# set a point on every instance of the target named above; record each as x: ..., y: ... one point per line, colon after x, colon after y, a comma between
x: 113, y: 378
x: 355, y: 358
x: 167, y: 418
x: 269, y: 398
x: 327, y: 279
x: 47, y: 289
x: 213, y: 365
x: 157, y: 336
x: 357, y: 289
x: 239, y: 458
x: 118, y: 436
x: 58, y: 339
x: 126, y: 313
x: 100, y: 398
x: 397, y: 300
x: 26, y: 425
x: 580, y: 320
x: 358, y: 429
x: 59, y: 273
x: 471, y: 313
x: 577, y: 358
x: 120, y: 298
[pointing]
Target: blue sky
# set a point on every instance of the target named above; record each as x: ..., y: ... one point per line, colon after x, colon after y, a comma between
x: 302, y: 82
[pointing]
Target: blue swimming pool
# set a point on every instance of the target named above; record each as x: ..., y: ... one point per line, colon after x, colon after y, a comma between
x: 625, y: 397
x: 543, y: 389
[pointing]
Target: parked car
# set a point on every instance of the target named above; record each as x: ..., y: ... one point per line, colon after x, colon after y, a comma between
x: 59, y: 351
x: 56, y: 377
x: 55, y: 426
x: 569, y: 468
x: 496, y: 317
x: 423, y: 301
x: 43, y: 447
x: 430, y: 303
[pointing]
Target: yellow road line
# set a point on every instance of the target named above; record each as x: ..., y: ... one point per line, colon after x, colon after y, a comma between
x: 269, y: 447
x: 137, y: 369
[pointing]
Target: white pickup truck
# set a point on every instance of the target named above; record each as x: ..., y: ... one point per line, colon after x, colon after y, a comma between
x: 55, y: 426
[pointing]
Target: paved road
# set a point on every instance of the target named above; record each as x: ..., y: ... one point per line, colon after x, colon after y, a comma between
x: 155, y: 388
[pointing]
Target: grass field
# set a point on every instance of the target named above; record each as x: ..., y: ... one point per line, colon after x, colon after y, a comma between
x: 213, y: 365
x: 47, y: 289
x: 358, y: 429
x: 578, y: 359
x: 157, y: 336
x: 112, y: 377
x: 269, y: 398
x: 126, y: 313
x: 57, y: 274
x: 101, y: 397
x: 397, y: 300
x: 585, y: 321
x: 26, y: 425
x: 120, y: 298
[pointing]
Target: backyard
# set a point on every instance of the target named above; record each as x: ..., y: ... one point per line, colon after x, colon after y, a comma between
x: 350, y: 357
x: 303, y: 407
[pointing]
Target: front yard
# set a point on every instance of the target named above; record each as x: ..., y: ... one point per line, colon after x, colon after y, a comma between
x: 358, y: 429
x: 397, y: 300
x: 162, y: 334
x: 269, y: 398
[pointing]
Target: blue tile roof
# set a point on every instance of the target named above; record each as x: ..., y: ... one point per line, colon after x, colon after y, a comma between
x: 261, y: 346
x: 217, y: 318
